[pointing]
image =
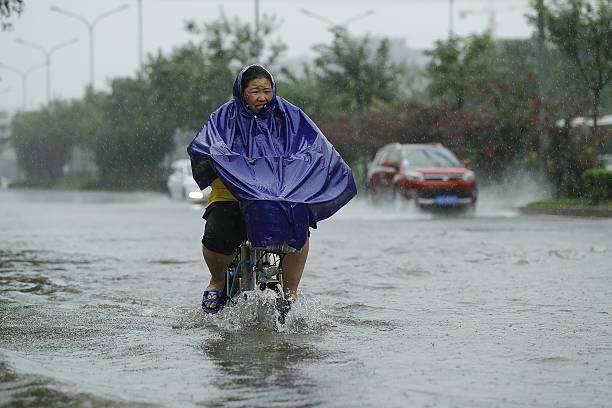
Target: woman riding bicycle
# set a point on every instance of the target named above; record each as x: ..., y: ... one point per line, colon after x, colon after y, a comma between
x: 248, y: 152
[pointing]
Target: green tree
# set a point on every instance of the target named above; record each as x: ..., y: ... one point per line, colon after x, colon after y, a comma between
x: 234, y: 44
x: 460, y: 65
x: 195, y: 79
x: 568, y: 157
x: 9, y: 8
x: 43, y: 141
x: 358, y: 71
x: 130, y: 147
x: 583, y: 31
x: 182, y: 88
x: 560, y: 82
x: 307, y: 92
x: 355, y: 74
x: 91, y: 121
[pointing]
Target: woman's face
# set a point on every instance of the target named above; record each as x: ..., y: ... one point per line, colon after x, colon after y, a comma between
x: 258, y: 93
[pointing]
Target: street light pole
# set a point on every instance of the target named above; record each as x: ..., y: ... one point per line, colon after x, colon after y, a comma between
x: 542, y: 139
x: 332, y: 25
x: 451, y: 19
x: 140, y: 56
x: 256, y: 28
x: 257, y: 17
x: 24, y: 78
x: 47, y: 54
x: 90, y: 25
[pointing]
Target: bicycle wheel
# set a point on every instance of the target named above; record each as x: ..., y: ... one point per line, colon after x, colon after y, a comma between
x: 232, y: 279
x: 239, y: 275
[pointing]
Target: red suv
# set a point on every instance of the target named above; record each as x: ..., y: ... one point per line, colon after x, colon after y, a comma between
x: 430, y: 175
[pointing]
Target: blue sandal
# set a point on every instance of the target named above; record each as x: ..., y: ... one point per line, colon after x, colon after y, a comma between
x: 217, y: 297
x: 283, y: 306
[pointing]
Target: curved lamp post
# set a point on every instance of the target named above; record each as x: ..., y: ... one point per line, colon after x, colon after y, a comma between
x: 334, y: 27
x: 24, y: 79
x: 47, y: 53
x: 90, y: 25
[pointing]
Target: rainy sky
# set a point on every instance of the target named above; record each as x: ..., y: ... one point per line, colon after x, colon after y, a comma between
x: 418, y: 22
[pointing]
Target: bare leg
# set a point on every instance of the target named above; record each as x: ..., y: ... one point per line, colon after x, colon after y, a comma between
x: 217, y: 265
x: 293, y: 267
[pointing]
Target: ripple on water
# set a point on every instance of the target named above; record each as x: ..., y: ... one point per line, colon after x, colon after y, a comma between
x: 173, y: 261
x: 410, y: 271
x: 28, y: 327
x: 357, y: 307
x: 397, y: 250
x: 568, y: 254
x: 36, y: 273
x: 19, y: 390
x: 374, y: 324
x: 27, y: 259
x: 550, y: 360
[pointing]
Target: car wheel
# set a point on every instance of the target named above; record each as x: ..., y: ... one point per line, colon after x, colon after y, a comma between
x: 470, y: 209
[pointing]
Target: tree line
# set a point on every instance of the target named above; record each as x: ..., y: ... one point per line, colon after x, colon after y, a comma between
x: 485, y: 99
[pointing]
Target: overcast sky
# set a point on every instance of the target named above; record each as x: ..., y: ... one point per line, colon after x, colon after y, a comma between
x: 419, y: 22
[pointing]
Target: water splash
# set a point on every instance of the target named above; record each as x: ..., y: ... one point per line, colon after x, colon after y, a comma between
x: 256, y: 311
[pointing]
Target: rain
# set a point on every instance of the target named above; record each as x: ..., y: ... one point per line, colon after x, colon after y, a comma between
x: 453, y: 160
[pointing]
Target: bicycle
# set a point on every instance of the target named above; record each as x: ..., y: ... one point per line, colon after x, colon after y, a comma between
x: 256, y: 267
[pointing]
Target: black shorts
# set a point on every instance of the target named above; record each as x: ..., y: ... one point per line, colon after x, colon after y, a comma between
x: 225, y: 229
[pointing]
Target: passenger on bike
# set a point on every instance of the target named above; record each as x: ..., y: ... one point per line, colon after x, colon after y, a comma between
x: 253, y: 112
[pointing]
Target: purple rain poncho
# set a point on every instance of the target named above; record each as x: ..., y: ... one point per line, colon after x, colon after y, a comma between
x: 280, y: 167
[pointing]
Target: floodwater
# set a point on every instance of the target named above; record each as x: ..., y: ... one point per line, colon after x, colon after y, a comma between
x: 99, y: 298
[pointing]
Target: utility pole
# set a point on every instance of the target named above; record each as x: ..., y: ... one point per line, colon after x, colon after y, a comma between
x: 256, y: 26
x: 451, y: 19
x: 90, y: 25
x: 140, y: 56
x: 257, y: 17
x: 47, y: 54
x: 543, y: 137
x: 491, y: 11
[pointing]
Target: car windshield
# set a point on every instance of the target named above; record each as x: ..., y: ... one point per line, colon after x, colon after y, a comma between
x: 429, y: 158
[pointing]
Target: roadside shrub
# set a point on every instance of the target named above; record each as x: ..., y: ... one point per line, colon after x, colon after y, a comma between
x: 568, y: 157
x: 598, y: 185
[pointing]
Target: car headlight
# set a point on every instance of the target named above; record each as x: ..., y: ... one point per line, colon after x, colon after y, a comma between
x: 196, y: 195
x: 414, y: 176
x: 468, y: 175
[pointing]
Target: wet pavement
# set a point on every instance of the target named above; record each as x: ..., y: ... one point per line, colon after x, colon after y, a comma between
x: 99, y: 307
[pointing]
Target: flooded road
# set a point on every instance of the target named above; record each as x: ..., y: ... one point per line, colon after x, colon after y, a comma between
x: 99, y: 298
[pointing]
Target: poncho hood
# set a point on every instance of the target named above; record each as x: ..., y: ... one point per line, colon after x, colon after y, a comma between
x: 277, y: 163
x: 237, y: 94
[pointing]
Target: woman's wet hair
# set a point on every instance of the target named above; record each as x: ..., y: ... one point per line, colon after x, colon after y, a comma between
x: 254, y: 72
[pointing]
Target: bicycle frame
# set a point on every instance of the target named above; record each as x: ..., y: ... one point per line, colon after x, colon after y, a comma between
x: 255, y: 267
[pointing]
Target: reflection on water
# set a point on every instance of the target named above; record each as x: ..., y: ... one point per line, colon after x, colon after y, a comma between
x: 259, y: 367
